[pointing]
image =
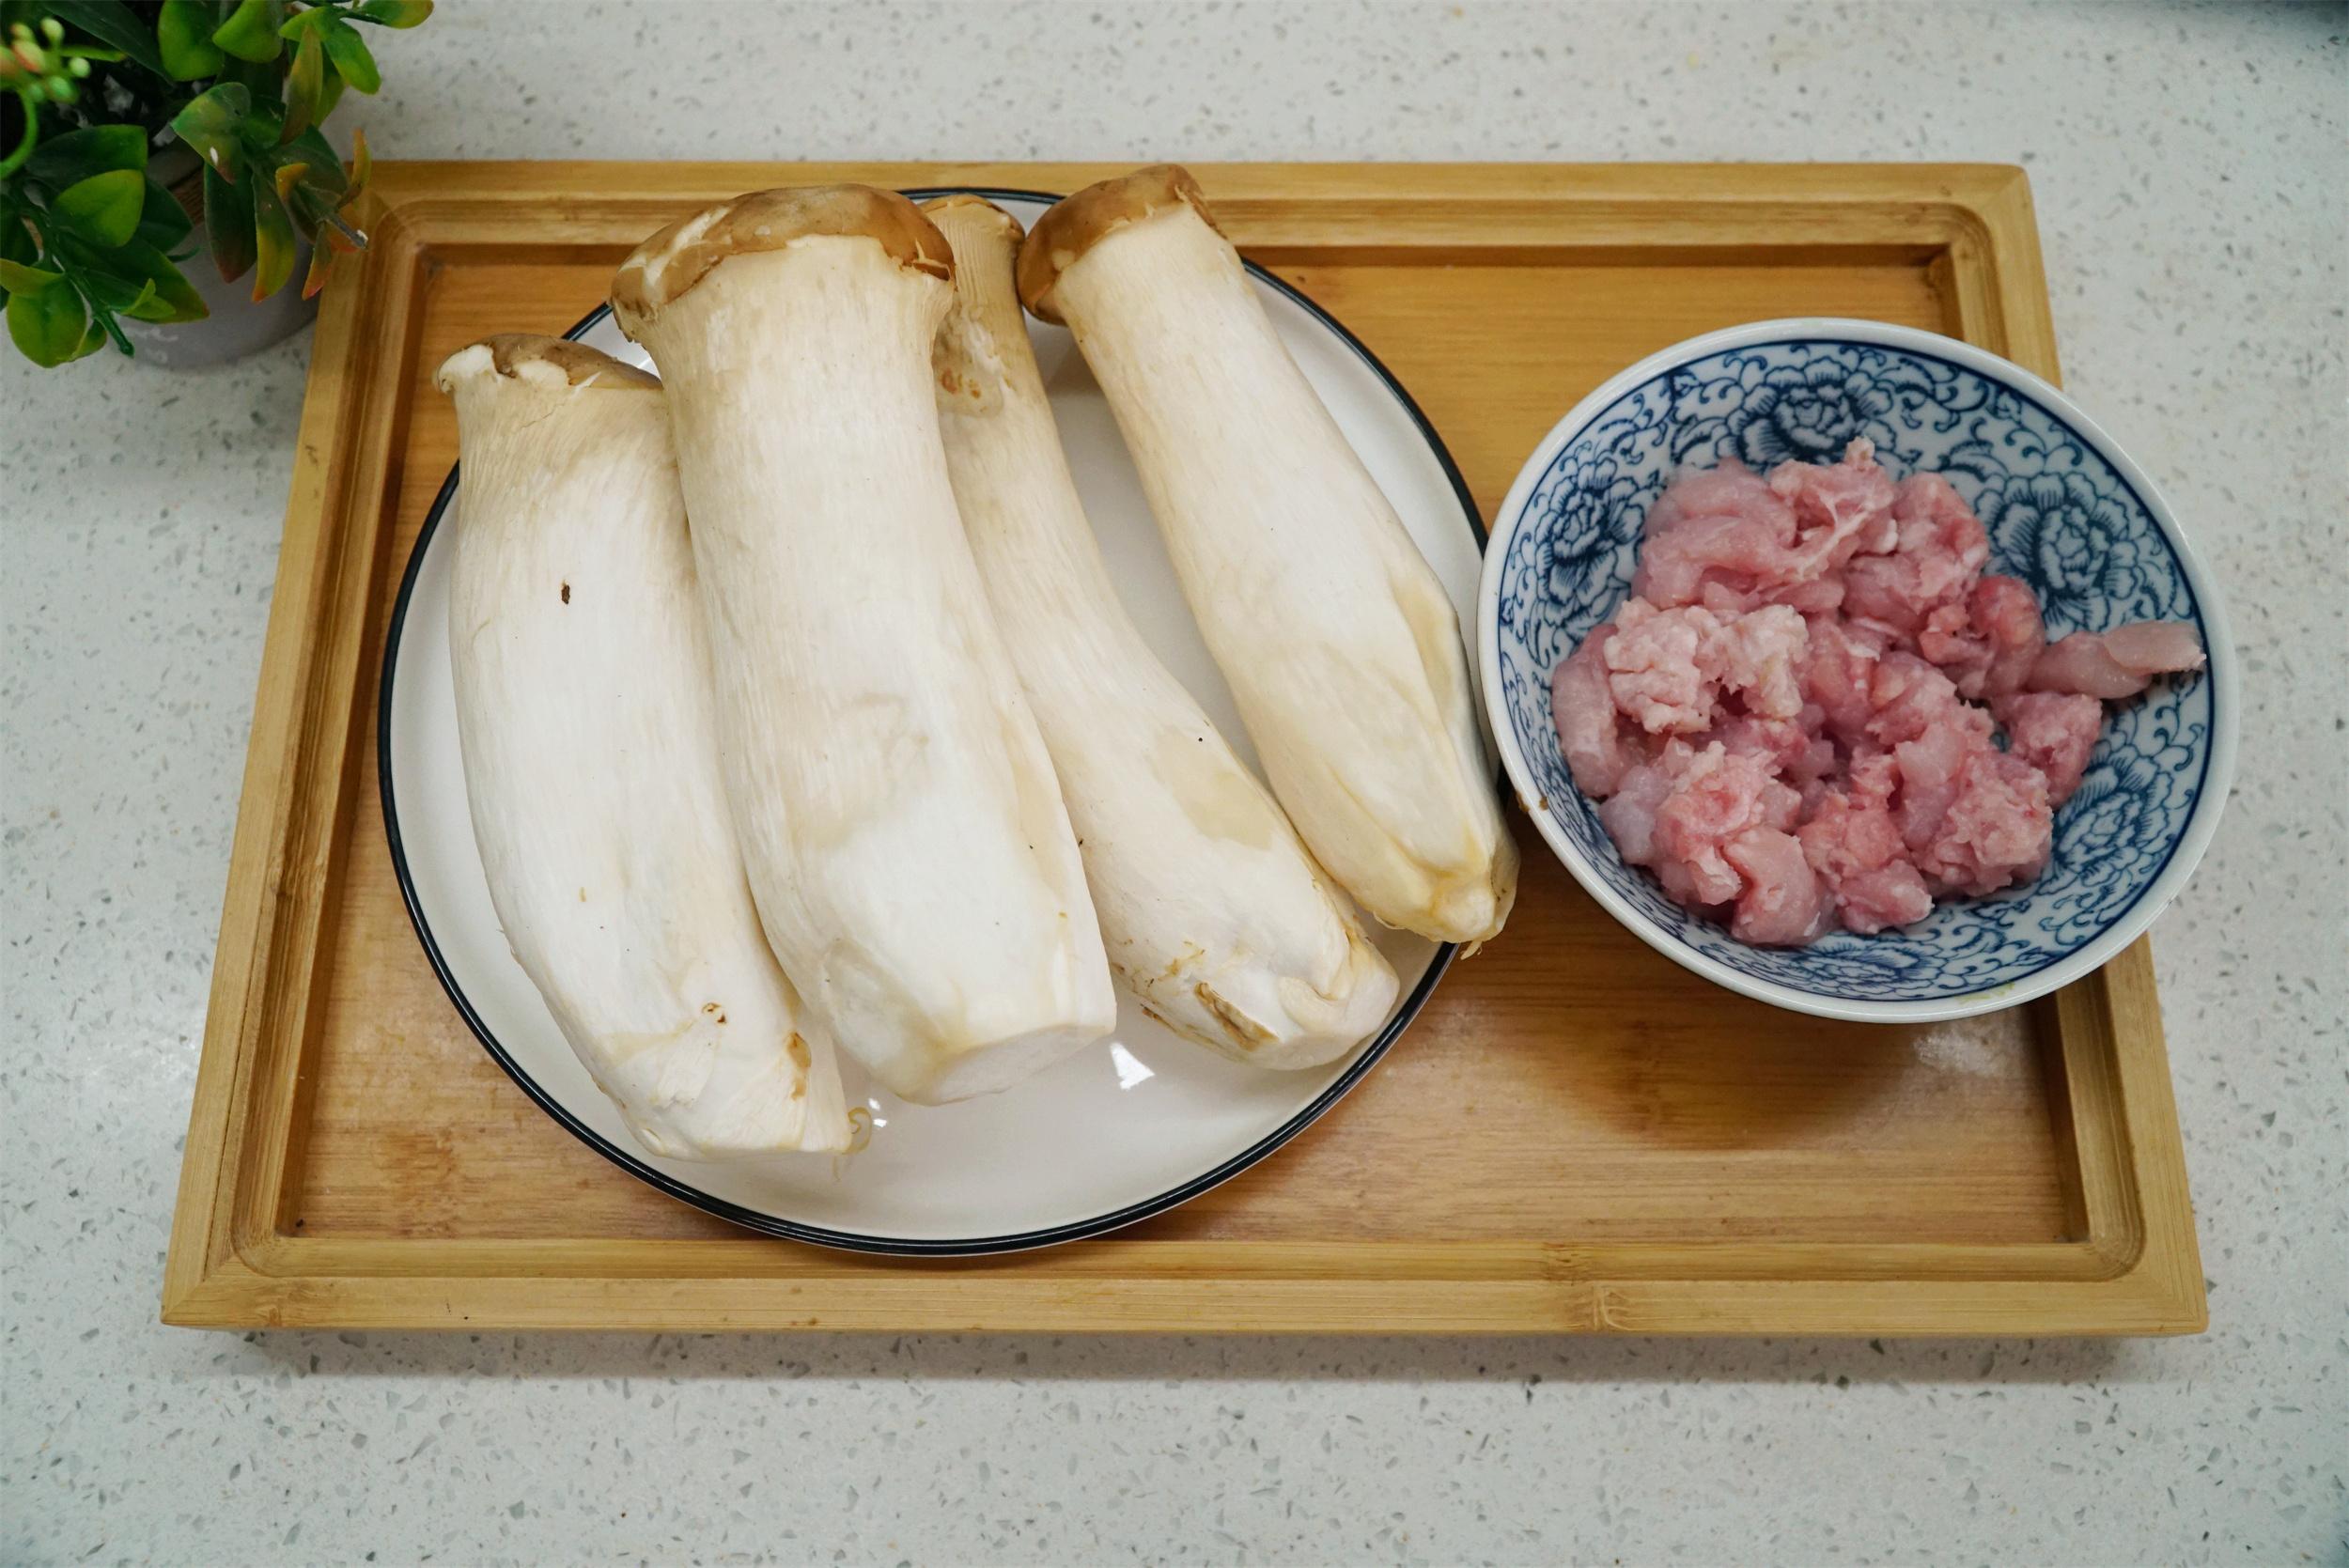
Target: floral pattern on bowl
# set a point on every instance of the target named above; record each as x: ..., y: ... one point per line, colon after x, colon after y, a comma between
x: 2065, y: 511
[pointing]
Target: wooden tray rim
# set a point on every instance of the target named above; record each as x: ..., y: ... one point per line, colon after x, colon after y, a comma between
x: 234, y: 1262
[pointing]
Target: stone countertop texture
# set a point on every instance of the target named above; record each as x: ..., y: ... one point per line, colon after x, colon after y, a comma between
x: 2191, y: 170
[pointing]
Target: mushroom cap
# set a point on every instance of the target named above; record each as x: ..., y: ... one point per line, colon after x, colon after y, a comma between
x: 547, y: 362
x: 680, y: 255
x: 1076, y: 224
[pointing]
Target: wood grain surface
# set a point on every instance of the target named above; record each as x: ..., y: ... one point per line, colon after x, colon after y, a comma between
x: 1620, y: 1144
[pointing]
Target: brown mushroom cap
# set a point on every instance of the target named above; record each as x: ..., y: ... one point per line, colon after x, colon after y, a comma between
x: 674, y: 260
x: 1075, y: 225
x: 576, y: 362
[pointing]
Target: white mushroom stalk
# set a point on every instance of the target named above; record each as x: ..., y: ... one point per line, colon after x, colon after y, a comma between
x: 907, y: 845
x: 1339, y: 644
x: 585, y: 719
x: 1213, y: 912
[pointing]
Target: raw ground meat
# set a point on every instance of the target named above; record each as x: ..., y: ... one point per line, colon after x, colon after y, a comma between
x: 1787, y: 723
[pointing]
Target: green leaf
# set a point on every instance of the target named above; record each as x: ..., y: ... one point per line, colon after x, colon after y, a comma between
x: 330, y: 95
x: 305, y: 22
x: 183, y: 32
x: 305, y: 88
x: 92, y: 340
x: 46, y: 324
x: 210, y: 126
x: 17, y: 278
x: 392, y: 13
x: 258, y: 130
x: 162, y: 222
x: 104, y: 209
x: 114, y: 24
x: 16, y: 240
x: 138, y: 280
x: 257, y: 77
x: 325, y: 174
x: 251, y: 31
x: 78, y: 154
x: 351, y: 58
x: 272, y: 240
x: 229, y: 224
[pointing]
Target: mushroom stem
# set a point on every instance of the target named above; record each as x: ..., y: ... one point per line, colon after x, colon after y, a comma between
x: 907, y: 843
x: 584, y: 717
x: 1339, y: 644
x: 1212, y: 911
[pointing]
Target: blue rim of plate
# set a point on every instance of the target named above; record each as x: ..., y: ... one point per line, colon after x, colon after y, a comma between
x: 856, y: 1241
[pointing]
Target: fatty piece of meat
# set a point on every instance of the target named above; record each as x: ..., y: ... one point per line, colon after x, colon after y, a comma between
x: 1663, y: 667
x: 1723, y: 528
x: 1669, y: 670
x: 1734, y: 543
x: 1793, y: 749
x: 1580, y: 704
x: 1855, y: 849
x: 1759, y: 655
x: 2117, y: 663
x: 1783, y: 904
x: 1629, y: 814
x: 1841, y: 511
x: 1678, y: 815
x: 1940, y: 551
x: 1988, y: 644
x: 1909, y: 697
x: 1839, y: 676
x: 1998, y: 829
x: 2053, y: 731
x: 1933, y: 768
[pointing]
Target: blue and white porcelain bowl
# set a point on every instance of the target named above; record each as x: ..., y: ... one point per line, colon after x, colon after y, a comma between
x: 2067, y: 511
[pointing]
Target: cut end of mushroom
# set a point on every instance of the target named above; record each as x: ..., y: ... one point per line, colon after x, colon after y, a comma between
x: 679, y: 256
x: 1076, y: 224
x: 970, y: 209
x: 552, y: 362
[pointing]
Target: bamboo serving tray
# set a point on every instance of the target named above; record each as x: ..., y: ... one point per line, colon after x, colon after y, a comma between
x: 1576, y: 1135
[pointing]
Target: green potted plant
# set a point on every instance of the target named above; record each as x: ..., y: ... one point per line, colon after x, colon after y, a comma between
x: 134, y: 133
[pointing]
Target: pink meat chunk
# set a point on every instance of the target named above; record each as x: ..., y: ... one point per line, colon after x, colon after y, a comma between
x: 1582, y: 707
x: 2117, y: 663
x: 1988, y: 644
x: 1909, y: 697
x: 1858, y: 851
x: 1795, y: 749
x: 1783, y: 904
x: 1839, y: 676
x: 1672, y: 671
x: 1734, y: 542
x: 1759, y: 655
x: 1663, y: 667
x: 1997, y: 831
x: 2054, y: 732
x: 1721, y: 526
x: 1793, y: 721
x: 1839, y: 511
x: 1940, y: 551
x: 1679, y: 813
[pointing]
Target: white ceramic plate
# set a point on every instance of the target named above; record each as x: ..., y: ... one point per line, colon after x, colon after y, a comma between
x: 1119, y: 1132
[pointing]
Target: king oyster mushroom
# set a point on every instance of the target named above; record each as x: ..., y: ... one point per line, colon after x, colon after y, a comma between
x: 584, y: 717
x: 911, y: 859
x: 1213, y: 913
x: 1338, y: 642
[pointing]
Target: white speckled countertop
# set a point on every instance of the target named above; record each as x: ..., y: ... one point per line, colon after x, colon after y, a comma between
x: 2191, y: 170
